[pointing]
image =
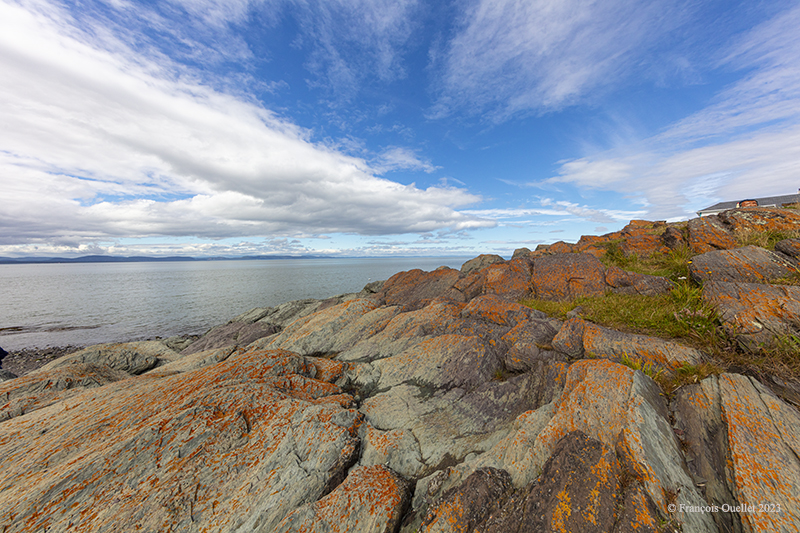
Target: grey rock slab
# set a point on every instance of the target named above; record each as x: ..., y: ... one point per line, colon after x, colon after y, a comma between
x: 235, y: 446
x: 240, y: 333
x: 578, y: 338
x: 480, y: 262
x: 765, y: 453
x: 749, y: 264
x: 45, y: 387
x: 755, y: 312
x: 370, y: 499
x: 131, y: 357
x: 697, y: 412
x: 316, y: 333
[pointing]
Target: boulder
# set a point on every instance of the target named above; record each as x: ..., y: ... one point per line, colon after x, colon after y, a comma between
x: 749, y: 264
x: 710, y: 233
x: 530, y: 342
x: 371, y: 498
x: 566, y: 276
x: 760, y: 219
x: 521, y: 252
x: 231, y: 334
x: 480, y: 262
x: 673, y: 238
x: 789, y: 247
x: 578, y: 338
x: 624, y: 282
x: 510, y: 280
x: 755, y: 313
x: 416, y: 288
x: 131, y: 357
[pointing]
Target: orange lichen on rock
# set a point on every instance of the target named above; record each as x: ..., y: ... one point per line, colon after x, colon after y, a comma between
x: 764, y: 452
x: 205, y: 448
x: 371, y: 498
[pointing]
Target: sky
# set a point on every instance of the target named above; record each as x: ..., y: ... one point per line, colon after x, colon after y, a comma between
x: 381, y: 128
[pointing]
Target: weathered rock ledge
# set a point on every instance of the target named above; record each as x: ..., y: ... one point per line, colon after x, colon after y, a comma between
x: 430, y: 402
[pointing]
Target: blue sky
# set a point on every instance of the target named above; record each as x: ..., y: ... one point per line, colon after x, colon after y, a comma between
x: 355, y: 127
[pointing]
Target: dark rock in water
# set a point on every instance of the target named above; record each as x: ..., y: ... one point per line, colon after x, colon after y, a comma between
x: 624, y: 282
x: 749, y: 264
x: 3, y: 353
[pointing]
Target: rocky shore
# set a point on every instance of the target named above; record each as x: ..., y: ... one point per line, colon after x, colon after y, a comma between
x: 445, y: 401
x: 21, y: 362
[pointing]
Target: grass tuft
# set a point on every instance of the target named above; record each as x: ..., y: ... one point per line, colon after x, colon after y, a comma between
x: 765, y: 239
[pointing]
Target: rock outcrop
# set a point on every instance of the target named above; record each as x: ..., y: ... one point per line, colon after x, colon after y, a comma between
x: 433, y: 401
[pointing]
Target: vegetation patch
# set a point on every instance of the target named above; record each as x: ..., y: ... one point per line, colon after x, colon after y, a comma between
x: 765, y: 239
x: 674, y: 265
x: 681, y: 316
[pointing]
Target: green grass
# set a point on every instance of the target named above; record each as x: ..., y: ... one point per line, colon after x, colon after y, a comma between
x: 680, y: 314
x: 684, y: 317
x: 674, y: 265
x: 765, y: 239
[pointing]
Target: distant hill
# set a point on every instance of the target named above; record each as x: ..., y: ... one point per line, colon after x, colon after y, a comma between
x: 140, y: 259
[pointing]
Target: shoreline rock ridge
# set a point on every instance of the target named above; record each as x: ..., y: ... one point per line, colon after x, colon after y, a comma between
x: 432, y: 402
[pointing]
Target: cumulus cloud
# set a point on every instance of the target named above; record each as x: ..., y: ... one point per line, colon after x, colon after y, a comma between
x: 745, y: 143
x: 103, y: 144
x: 511, y: 56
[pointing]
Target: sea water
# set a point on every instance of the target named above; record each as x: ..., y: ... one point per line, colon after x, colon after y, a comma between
x: 89, y: 303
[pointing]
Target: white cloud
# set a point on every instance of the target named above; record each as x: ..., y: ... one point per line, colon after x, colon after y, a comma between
x: 399, y: 158
x: 520, y: 55
x: 97, y: 144
x: 745, y: 143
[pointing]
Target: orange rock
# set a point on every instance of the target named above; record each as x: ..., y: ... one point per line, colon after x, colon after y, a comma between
x: 415, y: 288
x: 235, y: 444
x: 371, y: 498
x: 710, y: 233
x: 510, y: 280
x: 564, y: 276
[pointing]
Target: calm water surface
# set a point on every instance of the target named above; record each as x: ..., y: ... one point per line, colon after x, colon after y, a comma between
x: 90, y: 303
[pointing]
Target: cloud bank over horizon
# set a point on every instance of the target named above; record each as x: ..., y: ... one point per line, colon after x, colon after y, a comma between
x: 200, y: 127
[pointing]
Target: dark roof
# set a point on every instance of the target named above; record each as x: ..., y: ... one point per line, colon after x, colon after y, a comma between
x: 777, y: 201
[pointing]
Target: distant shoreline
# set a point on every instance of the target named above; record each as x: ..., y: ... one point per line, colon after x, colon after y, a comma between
x: 145, y: 259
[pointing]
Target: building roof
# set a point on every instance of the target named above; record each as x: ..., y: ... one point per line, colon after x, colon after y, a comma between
x: 768, y: 201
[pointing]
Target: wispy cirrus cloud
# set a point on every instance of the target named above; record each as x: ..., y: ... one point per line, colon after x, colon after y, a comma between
x: 100, y: 142
x: 746, y: 142
x: 513, y: 56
